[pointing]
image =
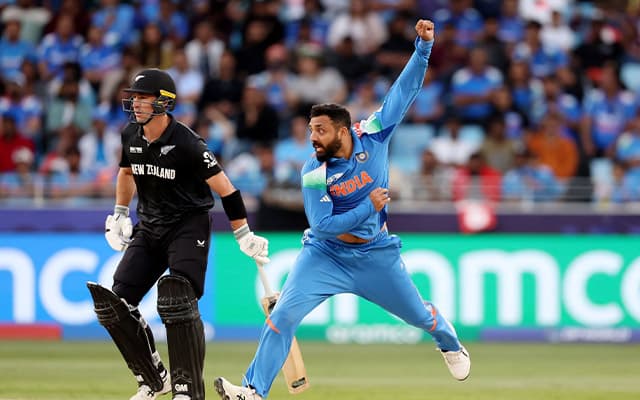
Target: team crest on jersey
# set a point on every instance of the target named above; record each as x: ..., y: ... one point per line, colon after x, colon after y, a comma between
x: 362, y: 157
x: 334, y: 178
x: 164, y: 150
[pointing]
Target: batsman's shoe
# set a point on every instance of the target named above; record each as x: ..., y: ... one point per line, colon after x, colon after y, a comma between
x: 458, y: 362
x: 146, y: 393
x: 228, y: 391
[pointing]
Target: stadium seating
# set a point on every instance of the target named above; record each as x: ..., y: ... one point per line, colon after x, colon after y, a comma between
x: 407, y: 144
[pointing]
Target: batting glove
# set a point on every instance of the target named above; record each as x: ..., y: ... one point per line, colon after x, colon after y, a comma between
x: 252, y: 245
x: 118, y: 228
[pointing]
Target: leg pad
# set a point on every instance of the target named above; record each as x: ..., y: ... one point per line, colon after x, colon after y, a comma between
x: 178, y: 309
x: 129, y: 332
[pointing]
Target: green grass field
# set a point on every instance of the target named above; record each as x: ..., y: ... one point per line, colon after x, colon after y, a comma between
x: 94, y: 370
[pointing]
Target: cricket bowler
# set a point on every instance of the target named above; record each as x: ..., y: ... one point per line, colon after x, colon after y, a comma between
x: 347, y: 248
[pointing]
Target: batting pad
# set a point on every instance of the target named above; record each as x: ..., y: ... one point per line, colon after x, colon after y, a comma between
x: 178, y: 309
x: 128, y: 333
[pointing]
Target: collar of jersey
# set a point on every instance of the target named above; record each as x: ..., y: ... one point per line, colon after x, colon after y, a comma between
x: 164, y: 138
x: 357, y: 148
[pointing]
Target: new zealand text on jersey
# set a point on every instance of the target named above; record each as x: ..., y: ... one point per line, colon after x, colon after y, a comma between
x: 148, y: 169
x: 350, y: 185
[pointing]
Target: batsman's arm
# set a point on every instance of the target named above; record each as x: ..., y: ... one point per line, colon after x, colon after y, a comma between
x: 250, y: 244
x: 207, y: 167
x: 235, y: 209
x: 125, y: 187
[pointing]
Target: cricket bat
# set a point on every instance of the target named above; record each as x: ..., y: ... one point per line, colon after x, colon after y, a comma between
x: 294, y: 371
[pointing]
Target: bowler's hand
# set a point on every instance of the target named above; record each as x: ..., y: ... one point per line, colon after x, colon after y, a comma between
x: 380, y: 198
x: 425, y: 29
x: 252, y: 245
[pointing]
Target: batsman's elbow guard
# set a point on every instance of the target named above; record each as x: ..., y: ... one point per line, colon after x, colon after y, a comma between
x: 118, y: 228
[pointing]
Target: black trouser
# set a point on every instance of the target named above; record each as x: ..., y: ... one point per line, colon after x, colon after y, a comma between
x: 182, y: 247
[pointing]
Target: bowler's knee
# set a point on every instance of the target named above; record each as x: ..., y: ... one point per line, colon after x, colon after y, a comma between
x: 284, y: 318
x: 427, y: 320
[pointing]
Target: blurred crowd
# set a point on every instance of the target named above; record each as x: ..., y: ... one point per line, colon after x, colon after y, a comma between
x: 524, y: 100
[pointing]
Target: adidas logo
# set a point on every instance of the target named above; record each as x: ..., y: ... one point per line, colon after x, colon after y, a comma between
x: 325, y: 199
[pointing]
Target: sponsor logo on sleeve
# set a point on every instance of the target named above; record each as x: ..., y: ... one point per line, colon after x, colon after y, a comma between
x: 209, y: 159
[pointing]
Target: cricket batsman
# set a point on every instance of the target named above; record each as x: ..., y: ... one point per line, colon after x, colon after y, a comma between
x: 347, y: 248
x: 174, y: 175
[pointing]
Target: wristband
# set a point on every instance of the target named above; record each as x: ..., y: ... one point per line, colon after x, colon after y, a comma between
x: 240, y: 232
x: 234, y: 206
x: 122, y: 210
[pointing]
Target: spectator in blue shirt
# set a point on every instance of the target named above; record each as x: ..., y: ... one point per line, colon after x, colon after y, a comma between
x: 525, y: 89
x: 58, y: 48
x: 530, y: 181
x: 313, y: 26
x: 542, y: 60
x: 515, y: 121
x: 173, y: 23
x: 628, y: 145
x: 553, y: 99
x: 466, y: 19
x: 622, y: 187
x: 13, y: 50
x: 511, y: 26
x: 290, y: 154
x: 607, y: 110
x: 472, y: 87
x: 117, y: 22
x: 97, y: 58
x: 428, y: 108
x: 276, y: 80
x: 26, y: 109
x: 71, y: 182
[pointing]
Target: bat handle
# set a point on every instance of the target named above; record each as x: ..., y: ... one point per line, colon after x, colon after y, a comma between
x: 265, y: 280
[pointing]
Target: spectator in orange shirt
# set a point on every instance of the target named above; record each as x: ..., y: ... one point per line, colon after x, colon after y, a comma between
x: 553, y: 147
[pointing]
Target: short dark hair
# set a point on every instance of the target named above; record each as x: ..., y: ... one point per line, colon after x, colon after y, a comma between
x: 336, y: 113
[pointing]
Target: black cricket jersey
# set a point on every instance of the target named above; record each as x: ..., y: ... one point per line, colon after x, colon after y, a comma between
x: 169, y: 173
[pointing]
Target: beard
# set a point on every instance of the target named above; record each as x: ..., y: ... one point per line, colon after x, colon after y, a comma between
x: 329, y: 150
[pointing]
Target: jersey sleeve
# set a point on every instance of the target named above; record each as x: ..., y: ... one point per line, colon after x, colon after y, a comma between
x: 125, y: 141
x: 401, y: 95
x: 203, y: 160
x: 124, y: 159
x: 318, y: 206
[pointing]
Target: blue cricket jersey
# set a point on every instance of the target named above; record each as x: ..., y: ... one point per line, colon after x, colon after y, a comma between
x: 336, y: 192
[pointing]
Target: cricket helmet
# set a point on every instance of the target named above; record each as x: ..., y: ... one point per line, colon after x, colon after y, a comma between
x: 155, y: 82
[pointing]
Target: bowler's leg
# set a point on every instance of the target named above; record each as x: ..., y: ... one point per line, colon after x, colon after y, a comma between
x: 386, y: 282
x: 314, y: 278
